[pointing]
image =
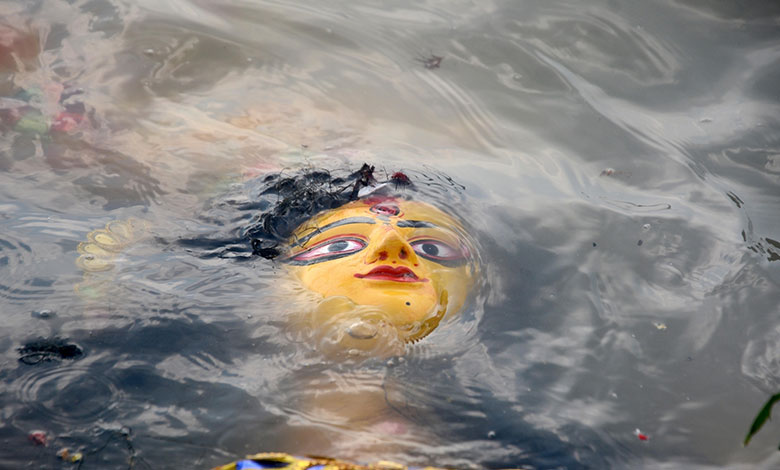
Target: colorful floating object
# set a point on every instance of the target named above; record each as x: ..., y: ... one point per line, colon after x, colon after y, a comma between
x: 26, y: 112
x: 102, y: 250
x: 287, y: 461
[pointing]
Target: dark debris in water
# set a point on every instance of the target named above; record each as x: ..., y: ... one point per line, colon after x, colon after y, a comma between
x: 43, y: 314
x: 49, y: 349
x: 762, y: 417
x: 763, y: 246
x: 431, y: 62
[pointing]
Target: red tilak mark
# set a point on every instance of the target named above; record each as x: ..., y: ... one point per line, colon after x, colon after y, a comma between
x: 385, y: 208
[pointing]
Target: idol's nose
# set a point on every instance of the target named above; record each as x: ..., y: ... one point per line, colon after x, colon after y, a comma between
x: 389, y: 245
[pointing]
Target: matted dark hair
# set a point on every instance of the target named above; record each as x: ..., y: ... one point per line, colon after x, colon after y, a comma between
x: 299, y: 197
x: 259, y: 216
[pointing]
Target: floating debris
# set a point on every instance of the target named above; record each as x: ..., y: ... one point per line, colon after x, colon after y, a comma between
x: 763, y: 415
x: 400, y: 179
x: 614, y: 172
x: 43, y: 314
x: 659, y: 325
x: 64, y: 454
x: 48, y: 349
x: 39, y: 438
x: 432, y: 62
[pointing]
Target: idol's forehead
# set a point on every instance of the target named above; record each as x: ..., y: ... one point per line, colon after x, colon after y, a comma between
x: 383, y: 209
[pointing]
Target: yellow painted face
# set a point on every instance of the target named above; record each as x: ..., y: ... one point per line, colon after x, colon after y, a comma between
x: 407, y: 258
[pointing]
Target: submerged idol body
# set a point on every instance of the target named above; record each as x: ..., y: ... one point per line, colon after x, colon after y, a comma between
x: 374, y: 274
x: 408, y: 261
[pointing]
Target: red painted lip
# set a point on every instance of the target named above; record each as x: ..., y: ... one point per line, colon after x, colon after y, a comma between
x: 390, y: 273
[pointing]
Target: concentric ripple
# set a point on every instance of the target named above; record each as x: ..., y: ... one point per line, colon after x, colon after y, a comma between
x: 15, y: 255
x: 69, y: 395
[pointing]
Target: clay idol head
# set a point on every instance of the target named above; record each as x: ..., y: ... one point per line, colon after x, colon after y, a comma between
x: 407, y: 260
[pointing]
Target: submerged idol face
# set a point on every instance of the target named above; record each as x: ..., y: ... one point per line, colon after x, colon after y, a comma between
x: 407, y: 258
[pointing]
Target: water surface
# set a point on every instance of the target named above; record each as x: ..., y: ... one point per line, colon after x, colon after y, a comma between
x: 620, y: 168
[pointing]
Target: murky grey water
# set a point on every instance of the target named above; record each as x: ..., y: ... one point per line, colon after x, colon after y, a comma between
x: 622, y: 170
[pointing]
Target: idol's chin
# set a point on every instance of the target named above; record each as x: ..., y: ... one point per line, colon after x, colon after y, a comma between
x: 400, y: 304
x: 343, y: 328
x: 403, y: 310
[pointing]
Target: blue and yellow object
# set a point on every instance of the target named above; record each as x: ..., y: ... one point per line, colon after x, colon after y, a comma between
x: 289, y: 462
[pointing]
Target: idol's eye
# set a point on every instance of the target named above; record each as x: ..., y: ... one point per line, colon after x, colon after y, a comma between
x: 331, y: 248
x: 436, y: 250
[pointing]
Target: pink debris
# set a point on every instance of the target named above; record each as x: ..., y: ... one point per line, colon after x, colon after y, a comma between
x: 39, y: 438
x: 67, y: 122
x: 391, y: 427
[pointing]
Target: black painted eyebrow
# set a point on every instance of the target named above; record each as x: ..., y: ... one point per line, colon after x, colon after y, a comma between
x: 415, y: 224
x: 338, y: 223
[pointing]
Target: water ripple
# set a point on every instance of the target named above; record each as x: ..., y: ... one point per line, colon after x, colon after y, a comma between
x: 69, y: 394
x: 13, y: 252
x: 472, y: 113
x: 15, y: 257
x: 602, y: 42
x: 761, y: 360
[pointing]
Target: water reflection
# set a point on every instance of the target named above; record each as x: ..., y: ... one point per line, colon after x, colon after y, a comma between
x: 617, y: 164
